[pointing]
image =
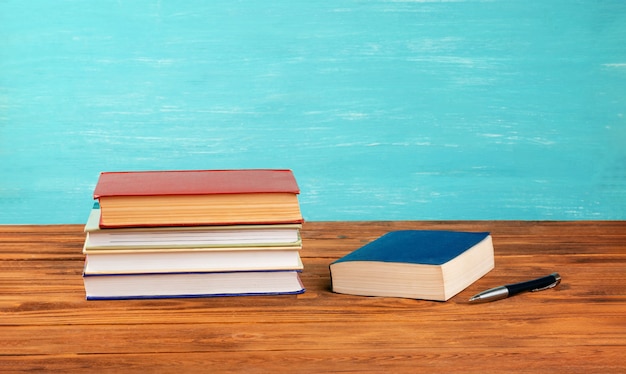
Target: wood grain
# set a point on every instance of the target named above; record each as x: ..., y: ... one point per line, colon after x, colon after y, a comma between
x: 579, y: 327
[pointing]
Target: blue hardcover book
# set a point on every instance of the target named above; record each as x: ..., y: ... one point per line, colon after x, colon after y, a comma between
x: 201, y: 284
x: 417, y: 264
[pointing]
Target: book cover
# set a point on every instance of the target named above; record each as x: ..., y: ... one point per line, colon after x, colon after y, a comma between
x: 422, y: 264
x: 428, y: 247
x: 195, y: 182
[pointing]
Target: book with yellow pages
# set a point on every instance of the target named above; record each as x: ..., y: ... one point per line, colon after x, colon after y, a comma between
x: 197, y: 198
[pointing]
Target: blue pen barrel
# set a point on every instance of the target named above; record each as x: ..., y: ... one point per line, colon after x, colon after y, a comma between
x: 535, y: 284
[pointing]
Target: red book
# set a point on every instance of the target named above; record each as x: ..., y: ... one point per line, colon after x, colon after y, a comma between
x: 197, y: 197
x: 195, y: 182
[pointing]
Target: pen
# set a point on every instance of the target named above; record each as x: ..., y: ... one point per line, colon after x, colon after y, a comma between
x: 505, y: 291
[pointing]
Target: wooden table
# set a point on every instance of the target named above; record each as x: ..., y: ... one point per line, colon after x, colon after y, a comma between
x: 578, y: 327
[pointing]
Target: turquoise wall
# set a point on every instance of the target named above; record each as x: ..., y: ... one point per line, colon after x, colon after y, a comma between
x: 385, y: 110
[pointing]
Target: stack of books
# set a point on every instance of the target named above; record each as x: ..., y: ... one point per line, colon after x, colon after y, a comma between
x: 193, y: 233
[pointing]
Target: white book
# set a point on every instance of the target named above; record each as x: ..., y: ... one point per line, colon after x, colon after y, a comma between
x: 163, y: 261
x: 189, y: 236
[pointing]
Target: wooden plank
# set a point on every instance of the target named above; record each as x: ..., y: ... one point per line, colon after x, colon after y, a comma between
x: 373, y: 360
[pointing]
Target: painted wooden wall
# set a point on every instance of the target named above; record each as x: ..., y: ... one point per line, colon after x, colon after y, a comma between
x: 385, y: 110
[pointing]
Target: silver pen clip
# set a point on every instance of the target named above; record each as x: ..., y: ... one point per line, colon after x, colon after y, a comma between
x: 557, y: 278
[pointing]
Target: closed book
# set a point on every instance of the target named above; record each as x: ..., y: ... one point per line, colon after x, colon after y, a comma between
x: 204, y: 284
x: 191, y: 260
x: 197, y: 197
x: 418, y: 264
x: 170, y: 237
